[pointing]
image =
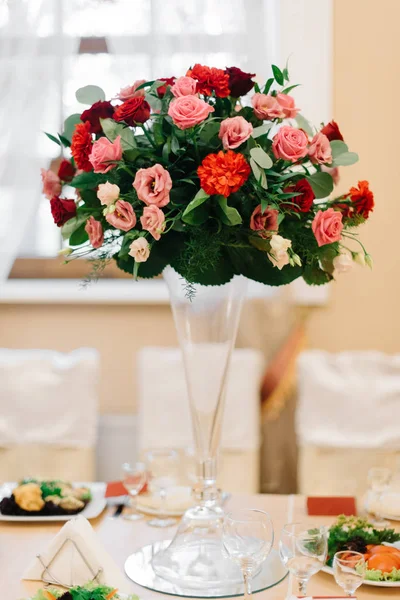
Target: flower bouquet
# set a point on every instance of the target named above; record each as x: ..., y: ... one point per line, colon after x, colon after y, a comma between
x: 191, y: 172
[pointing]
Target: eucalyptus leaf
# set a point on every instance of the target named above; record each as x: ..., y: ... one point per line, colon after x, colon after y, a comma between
x: 228, y: 214
x: 112, y: 130
x: 89, y: 94
x: 346, y: 159
x: 338, y: 147
x: 259, y: 174
x: 72, y: 225
x: 154, y: 101
x: 261, y: 130
x: 261, y: 158
x: 304, y: 124
x: 69, y: 125
x: 197, y: 201
x: 321, y: 183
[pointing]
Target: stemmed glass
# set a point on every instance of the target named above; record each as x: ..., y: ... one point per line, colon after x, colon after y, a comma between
x: 378, y: 480
x: 303, y: 551
x: 349, y: 570
x: 163, y: 467
x: 134, y: 477
x: 247, y: 536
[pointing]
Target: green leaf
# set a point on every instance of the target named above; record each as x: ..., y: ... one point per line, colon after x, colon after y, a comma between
x: 199, y: 199
x: 261, y: 130
x: 70, y: 226
x: 69, y: 125
x: 321, y: 183
x: 278, y: 75
x: 209, y: 130
x: 79, y: 236
x: 313, y: 275
x: 154, y: 101
x: 257, y: 88
x: 145, y: 84
x: 290, y: 88
x: 338, y: 147
x: 89, y: 94
x: 268, y: 85
x: 261, y: 158
x: 132, y: 155
x: 52, y: 138
x: 285, y: 74
x: 197, y: 216
x: 90, y: 199
x: 304, y: 124
x: 112, y: 130
x: 88, y: 180
x: 65, y: 141
x: 228, y: 215
x: 346, y: 159
x: 259, y: 174
x: 174, y: 145
x: 255, y: 264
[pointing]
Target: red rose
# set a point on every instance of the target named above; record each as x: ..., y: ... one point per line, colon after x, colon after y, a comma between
x: 301, y: 203
x: 362, y: 200
x: 81, y: 146
x: 133, y: 111
x: 163, y: 88
x: 66, y: 170
x: 240, y: 83
x: 332, y: 131
x: 210, y: 80
x: 99, y: 110
x: 62, y: 210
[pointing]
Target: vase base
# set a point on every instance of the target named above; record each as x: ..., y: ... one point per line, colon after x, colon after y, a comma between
x: 139, y: 568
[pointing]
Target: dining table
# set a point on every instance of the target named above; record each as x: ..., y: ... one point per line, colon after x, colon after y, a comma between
x: 20, y: 542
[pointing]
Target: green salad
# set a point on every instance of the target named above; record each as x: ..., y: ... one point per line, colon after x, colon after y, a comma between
x: 358, y: 535
x: 91, y: 591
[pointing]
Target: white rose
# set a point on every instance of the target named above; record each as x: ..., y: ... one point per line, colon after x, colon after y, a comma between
x: 343, y: 263
x: 140, y: 249
x: 279, y: 255
x: 108, y: 193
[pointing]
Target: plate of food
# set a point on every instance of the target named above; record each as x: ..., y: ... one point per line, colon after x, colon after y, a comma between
x: 380, y: 547
x: 92, y: 591
x: 50, y: 500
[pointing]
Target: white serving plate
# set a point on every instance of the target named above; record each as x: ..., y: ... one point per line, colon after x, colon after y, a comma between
x: 92, y: 510
x: 390, y: 584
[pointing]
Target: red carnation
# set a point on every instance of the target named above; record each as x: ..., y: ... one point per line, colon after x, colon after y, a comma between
x: 301, y: 203
x: 133, y: 111
x: 66, y: 170
x: 240, y: 83
x: 223, y: 173
x: 81, y: 146
x: 209, y: 80
x: 62, y: 210
x: 362, y: 200
x: 99, y: 110
x: 163, y: 88
x: 332, y: 131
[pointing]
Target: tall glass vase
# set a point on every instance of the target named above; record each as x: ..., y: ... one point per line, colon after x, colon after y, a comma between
x: 206, y: 319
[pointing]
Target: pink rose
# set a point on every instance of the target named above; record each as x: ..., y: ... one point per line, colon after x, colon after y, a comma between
x: 288, y: 106
x: 320, y: 151
x: 153, y: 185
x: 267, y: 107
x: 95, y: 232
x: 123, y: 217
x: 104, y: 151
x: 188, y: 111
x: 234, y: 131
x: 184, y: 86
x: 153, y: 221
x: 129, y: 91
x: 290, y: 144
x: 51, y: 183
x: 327, y: 226
x: 264, y: 222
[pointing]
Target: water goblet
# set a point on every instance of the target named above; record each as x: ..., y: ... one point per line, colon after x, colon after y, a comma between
x: 303, y: 549
x: 163, y: 467
x: 134, y: 477
x: 247, y: 537
x: 378, y: 480
x: 349, y: 570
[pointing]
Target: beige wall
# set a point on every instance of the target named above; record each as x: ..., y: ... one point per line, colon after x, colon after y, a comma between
x: 363, y: 310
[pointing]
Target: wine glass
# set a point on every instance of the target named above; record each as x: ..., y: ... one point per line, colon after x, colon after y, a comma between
x: 303, y: 551
x: 163, y: 467
x: 378, y: 480
x: 247, y: 536
x: 134, y: 477
x: 349, y: 570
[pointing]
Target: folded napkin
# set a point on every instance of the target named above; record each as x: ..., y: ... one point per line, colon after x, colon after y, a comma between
x: 74, y: 556
x: 178, y: 499
x: 331, y: 506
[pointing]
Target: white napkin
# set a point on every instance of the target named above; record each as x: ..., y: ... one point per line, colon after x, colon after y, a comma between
x: 68, y: 567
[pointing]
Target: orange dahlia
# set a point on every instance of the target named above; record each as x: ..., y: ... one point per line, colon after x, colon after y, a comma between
x: 209, y: 80
x: 223, y: 173
x: 81, y: 146
x: 362, y: 199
